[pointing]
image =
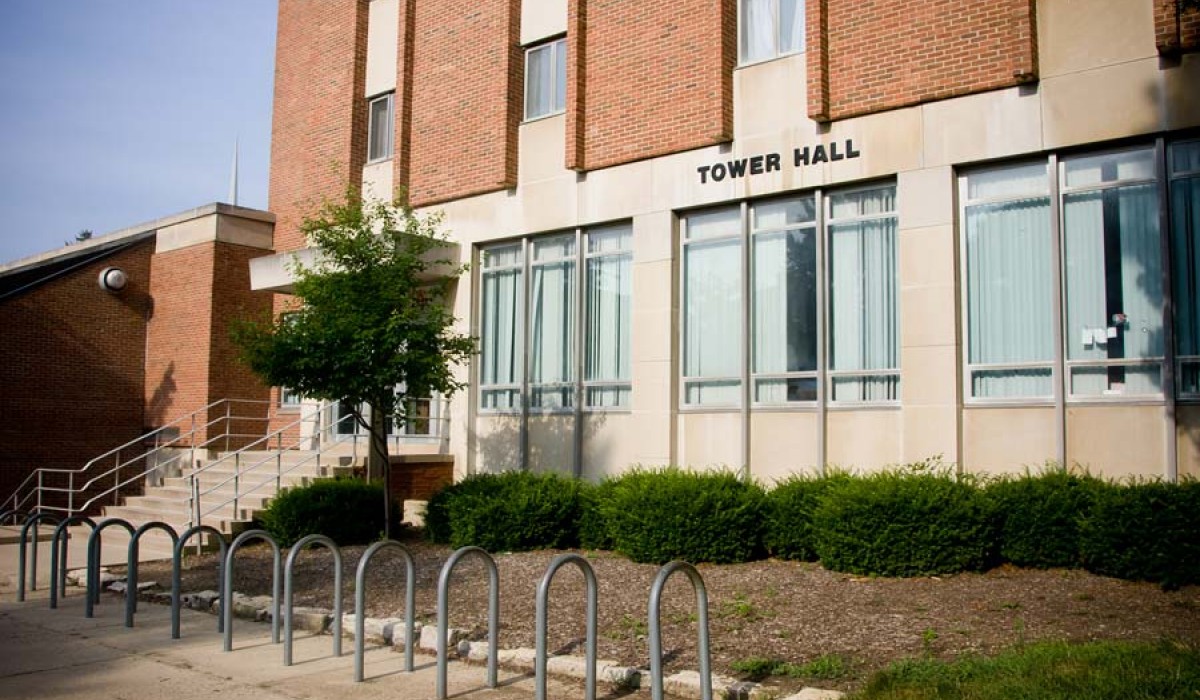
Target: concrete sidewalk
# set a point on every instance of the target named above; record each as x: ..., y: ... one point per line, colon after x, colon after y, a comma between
x: 49, y: 654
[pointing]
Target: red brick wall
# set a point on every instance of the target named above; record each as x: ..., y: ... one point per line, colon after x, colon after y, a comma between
x: 657, y: 78
x: 319, y: 129
x: 466, y: 102
x: 1176, y: 29
x: 72, y: 383
x: 881, y: 55
x: 417, y: 480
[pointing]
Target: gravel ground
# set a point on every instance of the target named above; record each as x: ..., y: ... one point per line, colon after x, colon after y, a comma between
x: 782, y: 610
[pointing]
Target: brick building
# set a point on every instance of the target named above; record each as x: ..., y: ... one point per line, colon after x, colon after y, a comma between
x: 109, y: 338
x: 782, y: 234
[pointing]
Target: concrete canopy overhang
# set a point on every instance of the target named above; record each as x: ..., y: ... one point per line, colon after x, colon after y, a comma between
x: 276, y: 273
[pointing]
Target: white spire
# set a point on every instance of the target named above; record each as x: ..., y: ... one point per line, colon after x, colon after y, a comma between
x: 233, y: 176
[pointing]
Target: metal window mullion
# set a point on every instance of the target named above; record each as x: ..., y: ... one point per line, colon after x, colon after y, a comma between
x: 1057, y: 254
x: 1170, y: 389
x: 581, y: 323
x: 747, y: 329
x: 523, y: 340
x: 822, y: 316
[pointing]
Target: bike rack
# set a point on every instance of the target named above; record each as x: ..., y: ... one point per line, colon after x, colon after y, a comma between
x: 31, y: 521
x: 58, y: 561
x: 227, y: 588
x: 131, y: 568
x: 337, y: 593
x: 177, y: 574
x: 360, y: 604
x: 543, y: 592
x: 443, y: 621
x: 93, y: 564
x: 656, y: 661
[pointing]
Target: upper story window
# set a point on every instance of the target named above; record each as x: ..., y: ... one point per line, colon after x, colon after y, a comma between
x: 380, y: 127
x: 769, y: 28
x: 546, y: 79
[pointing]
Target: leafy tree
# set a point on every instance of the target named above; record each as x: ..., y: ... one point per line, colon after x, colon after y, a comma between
x: 373, y: 325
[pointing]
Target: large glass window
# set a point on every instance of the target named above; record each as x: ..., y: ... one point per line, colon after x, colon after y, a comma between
x: 552, y: 303
x: 863, y: 321
x: 501, y: 326
x: 1009, y: 267
x: 1184, y: 167
x: 712, y: 313
x: 609, y: 313
x: 546, y: 79
x: 769, y: 28
x: 380, y: 128
x: 787, y: 244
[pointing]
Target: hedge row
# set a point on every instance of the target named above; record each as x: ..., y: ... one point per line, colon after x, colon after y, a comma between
x: 919, y: 520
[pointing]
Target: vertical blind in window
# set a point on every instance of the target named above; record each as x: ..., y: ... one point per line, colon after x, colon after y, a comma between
x: 1184, y: 160
x: 501, y: 326
x: 863, y: 322
x: 546, y: 79
x: 770, y: 28
x: 379, y: 129
x: 1010, y: 282
x: 609, y: 313
x: 712, y: 291
x: 552, y: 322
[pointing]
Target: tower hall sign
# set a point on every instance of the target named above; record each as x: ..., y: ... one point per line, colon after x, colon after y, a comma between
x: 772, y: 162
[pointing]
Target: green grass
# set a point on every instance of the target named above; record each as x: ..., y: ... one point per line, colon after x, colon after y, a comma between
x: 757, y: 668
x: 1048, y: 671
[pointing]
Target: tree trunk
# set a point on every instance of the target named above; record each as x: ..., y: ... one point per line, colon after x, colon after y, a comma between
x: 379, y: 466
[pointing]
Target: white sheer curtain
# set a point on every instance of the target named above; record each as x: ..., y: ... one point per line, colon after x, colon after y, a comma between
x: 609, y: 294
x: 863, y: 311
x: 1185, y: 256
x: 784, y: 300
x: 791, y: 26
x: 757, y: 30
x: 539, y: 81
x: 552, y: 322
x: 500, y: 327
x: 1010, y: 296
x: 712, y: 293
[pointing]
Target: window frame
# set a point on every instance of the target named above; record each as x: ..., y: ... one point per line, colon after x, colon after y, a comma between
x: 1172, y: 176
x: 742, y: 60
x: 558, y: 83
x: 389, y: 134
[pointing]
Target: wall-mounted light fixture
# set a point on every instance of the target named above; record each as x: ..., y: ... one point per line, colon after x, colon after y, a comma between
x: 113, y: 279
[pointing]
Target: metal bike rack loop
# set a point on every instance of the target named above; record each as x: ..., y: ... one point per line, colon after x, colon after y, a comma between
x: 58, y: 556
x: 177, y: 573
x: 543, y: 592
x: 31, y: 521
x: 360, y: 604
x: 227, y: 587
x: 131, y: 568
x: 443, y: 617
x: 93, y: 562
x: 299, y: 546
x: 656, y: 661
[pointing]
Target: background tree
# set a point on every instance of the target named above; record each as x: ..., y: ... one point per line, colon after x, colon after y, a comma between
x: 373, y: 325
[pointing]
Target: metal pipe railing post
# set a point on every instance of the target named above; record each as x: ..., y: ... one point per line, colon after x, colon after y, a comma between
x: 543, y: 593
x: 278, y: 461
x: 360, y: 604
x: 117, y: 479
x: 228, y: 407
x: 656, y: 661
x: 443, y: 616
x: 71, y: 493
x: 287, y: 595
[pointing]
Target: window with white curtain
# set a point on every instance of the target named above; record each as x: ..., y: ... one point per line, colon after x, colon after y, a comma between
x: 1107, y: 233
x: 769, y: 28
x: 546, y: 79
x: 786, y: 300
x: 608, y: 311
x: 552, y: 305
x: 1112, y: 259
x: 501, y: 326
x: 380, y: 128
x: 712, y: 308
x: 1183, y: 161
x: 864, y: 357
x: 1009, y: 274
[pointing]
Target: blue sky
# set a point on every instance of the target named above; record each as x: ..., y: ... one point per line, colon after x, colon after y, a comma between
x: 117, y: 112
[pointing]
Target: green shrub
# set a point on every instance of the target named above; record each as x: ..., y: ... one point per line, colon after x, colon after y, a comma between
x: 657, y: 516
x: 790, y: 505
x: 898, y: 523
x: 593, y: 528
x: 1145, y: 531
x: 347, y: 510
x: 1038, y: 516
x: 507, y: 512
